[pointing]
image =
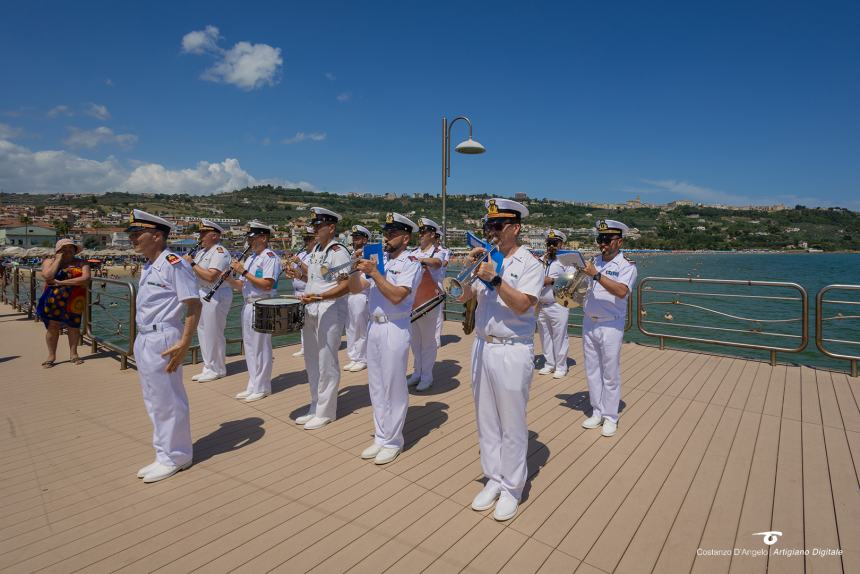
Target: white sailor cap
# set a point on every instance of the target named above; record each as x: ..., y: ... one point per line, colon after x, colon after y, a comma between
x: 360, y: 230
x: 425, y: 224
x: 397, y: 221
x: 258, y: 227
x: 209, y: 225
x: 323, y: 215
x: 310, y: 231
x: 610, y: 226
x: 498, y: 207
x: 556, y: 234
x: 142, y: 221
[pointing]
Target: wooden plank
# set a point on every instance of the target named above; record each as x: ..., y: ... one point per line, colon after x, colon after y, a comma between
x: 846, y: 498
x: 819, y: 515
x: 810, y: 408
x: 498, y: 552
x: 528, y: 559
x: 846, y: 390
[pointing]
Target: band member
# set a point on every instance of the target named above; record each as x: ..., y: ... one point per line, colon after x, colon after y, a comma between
x: 166, y: 286
x: 424, y: 342
x: 390, y: 303
x: 356, y: 328
x: 258, y: 279
x: 208, y: 264
x: 326, y: 314
x: 552, y: 317
x: 605, y: 312
x: 502, y: 357
x: 445, y: 255
x: 296, y: 268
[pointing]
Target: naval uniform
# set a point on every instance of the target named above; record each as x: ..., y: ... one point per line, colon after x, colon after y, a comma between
x: 443, y: 254
x: 213, y: 315
x: 388, y: 351
x: 258, y: 346
x: 502, y: 366
x: 552, y: 322
x: 299, y: 285
x: 424, y: 343
x: 603, y: 334
x: 164, y: 284
x: 324, y: 323
x: 356, y: 328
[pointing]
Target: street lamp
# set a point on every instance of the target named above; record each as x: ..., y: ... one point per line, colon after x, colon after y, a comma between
x: 469, y: 146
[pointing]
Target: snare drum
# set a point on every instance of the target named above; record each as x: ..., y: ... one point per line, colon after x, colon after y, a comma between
x: 278, y: 315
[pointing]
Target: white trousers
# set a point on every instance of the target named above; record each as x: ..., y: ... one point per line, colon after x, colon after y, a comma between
x: 501, y: 379
x: 440, y: 320
x: 258, y: 353
x: 356, y: 328
x: 164, y: 396
x: 388, y: 355
x: 552, y: 324
x: 322, y: 340
x: 424, y: 345
x: 601, y: 345
x: 210, y: 332
x: 298, y: 295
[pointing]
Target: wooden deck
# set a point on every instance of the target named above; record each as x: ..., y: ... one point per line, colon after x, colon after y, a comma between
x: 710, y: 450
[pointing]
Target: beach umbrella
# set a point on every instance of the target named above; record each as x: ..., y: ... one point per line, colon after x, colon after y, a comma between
x: 14, y: 251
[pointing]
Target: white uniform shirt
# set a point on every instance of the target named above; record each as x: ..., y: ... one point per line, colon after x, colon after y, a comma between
x: 266, y: 265
x: 163, y: 285
x: 299, y: 286
x: 404, y: 271
x: 555, y: 270
x: 336, y: 259
x: 601, y: 303
x: 216, y: 257
x: 524, y: 272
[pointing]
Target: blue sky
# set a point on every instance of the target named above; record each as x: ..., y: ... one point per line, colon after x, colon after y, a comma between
x: 753, y: 102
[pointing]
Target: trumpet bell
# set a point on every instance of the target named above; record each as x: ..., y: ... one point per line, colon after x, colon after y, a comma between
x: 569, y: 289
x: 452, y: 287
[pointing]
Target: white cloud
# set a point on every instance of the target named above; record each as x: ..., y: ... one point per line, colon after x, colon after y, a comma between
x: 61, y: 110
x: 329, y: 76
x: 97, y: 111
x: 109, y: 82
x: 8, y: 132
x: 245, y: 65
x: 302, y: 136
x: 344, y: 97
x: 53, y: 171
x: 93, y: 138
x: 201, y: 41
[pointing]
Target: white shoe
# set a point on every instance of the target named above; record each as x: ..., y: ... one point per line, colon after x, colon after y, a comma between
x: 299, y: 353
x: 414, y: 379
x: 609, y: 428
x: 349, y: 365
x: 356, y: 367
x: 424, y: 385
x: 545, y: 371
x: 559, y: 374
x: 255, y: 397
x: 207, y: 377
x: 196, y: 377
x: 592, y: 422
x: 371, y: 451
x: 486, y: 499
x: 386, y: 454
x: 160, y: 472
x: 146, y: 469
x: 243, y: 395
x: 303, y: 419
x: 506, y: 507
x: 317, y: 423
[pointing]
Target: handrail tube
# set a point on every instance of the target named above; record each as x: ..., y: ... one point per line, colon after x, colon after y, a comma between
x: 727, y: 295
x: 128, y: 351
x: 819, y: 325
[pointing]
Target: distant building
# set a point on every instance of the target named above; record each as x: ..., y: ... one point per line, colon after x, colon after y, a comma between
x: 120, y: 240
x: 27, y: 236
x: 521, y: 196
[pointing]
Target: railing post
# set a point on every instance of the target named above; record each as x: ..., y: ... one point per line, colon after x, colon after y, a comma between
x: 31, y: 308
x: 773, y: 358
x: 853, y: 367
x: 662, y: 344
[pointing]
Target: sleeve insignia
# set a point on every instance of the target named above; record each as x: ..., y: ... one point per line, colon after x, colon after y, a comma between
x: 220, y: 250
x: 271, y: 254
x: 172, y: 259
x: 335, y: 248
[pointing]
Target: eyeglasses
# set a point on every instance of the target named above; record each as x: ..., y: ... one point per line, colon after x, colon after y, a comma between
x: 606, y: 238
x: 495, y: 225
x: 554, y: 243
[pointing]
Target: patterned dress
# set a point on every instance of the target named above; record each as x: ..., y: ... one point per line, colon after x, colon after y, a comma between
x: 63, y: 303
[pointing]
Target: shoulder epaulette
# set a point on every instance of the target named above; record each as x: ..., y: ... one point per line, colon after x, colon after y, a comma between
x: 628, y: 259
x: 334, y: 246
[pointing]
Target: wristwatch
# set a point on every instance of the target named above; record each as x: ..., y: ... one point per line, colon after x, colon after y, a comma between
x: 244, y: 272
x: 597, y: 276
x: 496, y: 281
x: 193, y: 263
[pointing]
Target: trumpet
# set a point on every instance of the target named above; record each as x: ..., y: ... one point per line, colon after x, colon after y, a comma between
x: 455, y: 286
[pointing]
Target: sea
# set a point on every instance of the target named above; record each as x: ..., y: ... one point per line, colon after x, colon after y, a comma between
x: 671, y: 299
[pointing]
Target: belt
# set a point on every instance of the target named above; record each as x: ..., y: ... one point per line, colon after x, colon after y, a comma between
x: 158, y: 327
x: 507, y: 340
x: 595, y: 318
x: 390, y: 317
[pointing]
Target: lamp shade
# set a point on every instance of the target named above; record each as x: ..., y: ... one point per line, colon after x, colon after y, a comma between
x: 470, y: 146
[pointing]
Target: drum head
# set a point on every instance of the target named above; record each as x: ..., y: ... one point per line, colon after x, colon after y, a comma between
x: 278, y: 301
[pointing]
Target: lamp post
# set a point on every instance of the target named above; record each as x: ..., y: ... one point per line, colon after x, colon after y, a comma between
x: 468, y: 146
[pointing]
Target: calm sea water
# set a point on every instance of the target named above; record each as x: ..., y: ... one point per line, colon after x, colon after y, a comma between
x: 753, y: 315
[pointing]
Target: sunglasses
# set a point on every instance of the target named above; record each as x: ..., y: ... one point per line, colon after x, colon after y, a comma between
x: 607, y: 238
x: 495, y: 225
x: 553, y: 243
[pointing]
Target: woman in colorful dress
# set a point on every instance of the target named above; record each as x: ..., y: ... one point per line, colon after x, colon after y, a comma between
x: 64, y: 299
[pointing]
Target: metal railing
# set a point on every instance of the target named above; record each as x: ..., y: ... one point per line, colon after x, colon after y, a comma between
x: 754, y: 327
x: 122, y: 329
x: 820, y: 321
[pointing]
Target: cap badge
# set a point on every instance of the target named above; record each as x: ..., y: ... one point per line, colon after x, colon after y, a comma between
x: 389, y: 218
x: 551, y: 235
x: 602, y: 225
x: 355, y: 228
x: 492, y: 209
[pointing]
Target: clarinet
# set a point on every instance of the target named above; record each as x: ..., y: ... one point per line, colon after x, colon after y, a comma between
x: 208, y: 296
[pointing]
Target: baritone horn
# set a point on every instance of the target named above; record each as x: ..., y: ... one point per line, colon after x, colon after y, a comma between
x: 570, y: 288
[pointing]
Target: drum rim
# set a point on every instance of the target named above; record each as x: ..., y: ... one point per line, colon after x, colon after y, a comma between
x: 287, y: 300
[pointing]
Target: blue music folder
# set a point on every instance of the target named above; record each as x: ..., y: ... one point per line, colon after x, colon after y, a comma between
x: 374, y: 251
